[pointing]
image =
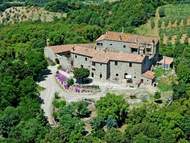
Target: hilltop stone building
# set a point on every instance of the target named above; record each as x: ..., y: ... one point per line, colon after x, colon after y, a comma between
x: 118, y: 57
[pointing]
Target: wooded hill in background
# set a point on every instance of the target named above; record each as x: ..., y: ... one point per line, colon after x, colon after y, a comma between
x: 109, y: 15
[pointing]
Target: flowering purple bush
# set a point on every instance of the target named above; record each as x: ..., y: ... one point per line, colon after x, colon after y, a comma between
x: 61, y: 77
x: 63, y: 80
x: 77, y: 89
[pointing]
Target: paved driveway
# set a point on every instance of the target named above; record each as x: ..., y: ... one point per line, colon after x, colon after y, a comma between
x: 51, y: 86
x: 47, y: 95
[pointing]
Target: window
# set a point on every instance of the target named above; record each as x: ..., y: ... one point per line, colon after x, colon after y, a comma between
x: 142, y: 80
x: 92, y: 74
x: 75, y: 56
x: 93, y: 69
x: 99, y: 44
x: 133, y: 50
x: 130, y: 64
x: 93, y: 63
x: 148, y: 49
x: 86, y: 59
x: 110, y: 44
x: 129, y: 81
x: 144, y: 51
x: 134, y: 76
x: 116, y: 63
x: 117, y: 74
x: 81, y: 66
x: 124, y: 46
x: 100, y: 75
x: 125, y: 75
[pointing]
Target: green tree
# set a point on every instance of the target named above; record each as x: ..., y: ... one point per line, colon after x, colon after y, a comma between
x: 114, y: 106
x: 28, y: 131
x: 111, y: 122
x: 114, y: 136
x: 98, y: 123
x: 168, y: 136
x: 157, y: 95
x: 9, y: 118
x: 70, y: 81
x: 140, y: 138
x: 55, y: 135
x: 179, y: 91
x: 81, y: 73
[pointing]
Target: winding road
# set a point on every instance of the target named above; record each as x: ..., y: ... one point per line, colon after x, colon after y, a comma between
x: 51, y: 87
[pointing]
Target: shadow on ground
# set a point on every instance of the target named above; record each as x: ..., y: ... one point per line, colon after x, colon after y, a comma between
x: 43, y: 75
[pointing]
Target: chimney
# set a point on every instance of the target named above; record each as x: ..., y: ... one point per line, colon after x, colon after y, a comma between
x: 122, y: 31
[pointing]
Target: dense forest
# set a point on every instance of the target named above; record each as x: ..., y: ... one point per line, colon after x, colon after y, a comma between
x: 22, y: 61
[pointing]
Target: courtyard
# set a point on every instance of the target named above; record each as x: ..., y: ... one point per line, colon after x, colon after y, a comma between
x: 51, y: 86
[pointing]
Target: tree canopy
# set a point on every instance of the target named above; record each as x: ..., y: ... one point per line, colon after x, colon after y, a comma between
x: 81, y: 73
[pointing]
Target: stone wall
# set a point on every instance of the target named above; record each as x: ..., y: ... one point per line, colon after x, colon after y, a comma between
x: 48, y: 53
x: 99, y: 71
x: 119, y: 70
x: 81, y: 61
x: 115, y: 46
x: 64, y: 61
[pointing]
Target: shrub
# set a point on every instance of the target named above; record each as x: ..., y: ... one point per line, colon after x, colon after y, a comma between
x: 70, y: 82
x: 59, y: 67
x: 59, y: 103
x: 56, y: 95
x: 157, y: 95
x: 98, y: 122
x: 152, y: 23
x: 162, y: 12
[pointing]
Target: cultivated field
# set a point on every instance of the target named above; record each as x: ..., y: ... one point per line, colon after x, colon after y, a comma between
x: 171, y: 23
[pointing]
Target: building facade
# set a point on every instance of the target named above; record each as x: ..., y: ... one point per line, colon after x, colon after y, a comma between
x: 117, y: 57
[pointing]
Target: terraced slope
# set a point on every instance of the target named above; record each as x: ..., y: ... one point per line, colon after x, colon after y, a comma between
x: 171, y: 23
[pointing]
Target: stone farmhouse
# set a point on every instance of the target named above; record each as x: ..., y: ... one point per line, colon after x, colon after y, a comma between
x: 116, y: 57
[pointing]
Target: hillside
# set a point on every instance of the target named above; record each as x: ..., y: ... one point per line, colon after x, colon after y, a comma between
x: 22, y: 65
x: 19, y: 14
x: 171, y: 23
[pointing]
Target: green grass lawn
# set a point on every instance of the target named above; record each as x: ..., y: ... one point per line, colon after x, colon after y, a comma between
x: 159, y: 71
x: 164, y: 79
x: 165, y: 82
x: 164, y: 85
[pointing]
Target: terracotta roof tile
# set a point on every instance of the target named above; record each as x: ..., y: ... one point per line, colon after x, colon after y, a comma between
x: 132, y: 38
x: 97, y: 56
x: 86, y: 51
x: 126, y: 57
x: 136, y: 46
x: 149, y: 75
x: 104, y: 57
x: 101, y: 57
x: 66, y: 48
